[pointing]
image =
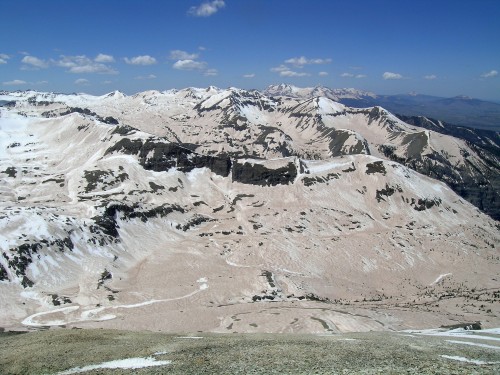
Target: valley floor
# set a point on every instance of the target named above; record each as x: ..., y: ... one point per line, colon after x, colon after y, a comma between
x: 72, y: 351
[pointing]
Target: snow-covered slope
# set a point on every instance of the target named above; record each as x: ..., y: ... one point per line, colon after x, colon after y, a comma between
x: 207, y: 201
x: 312, y: 92
x: 242, y: 123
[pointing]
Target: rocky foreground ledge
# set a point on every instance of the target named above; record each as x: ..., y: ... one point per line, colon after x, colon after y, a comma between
x: 74, y: 351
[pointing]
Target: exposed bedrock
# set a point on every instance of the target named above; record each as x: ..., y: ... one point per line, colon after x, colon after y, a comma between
x: 160, y: 156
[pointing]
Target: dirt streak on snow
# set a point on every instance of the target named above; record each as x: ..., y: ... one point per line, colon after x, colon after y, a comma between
x: 93, y: 314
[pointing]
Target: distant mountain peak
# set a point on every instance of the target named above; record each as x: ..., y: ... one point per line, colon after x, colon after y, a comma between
x: 463, y: 97
x: 319, y: 90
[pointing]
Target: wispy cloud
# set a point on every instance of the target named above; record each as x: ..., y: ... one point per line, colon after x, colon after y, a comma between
x: 82, y: 64
x: 430, y: 77
x: 189, y: 64
x: 82, y: 81
x: 177, y: 54
x: 490, y: 74
x: 15, y: 82
x: 350, y: 75
x: 323, y: 74
x: 251, y: 75
x: 390, y: 75
x: 285, y: 71
x: 190, y: 61
x: 206, y: 9
x: 210, y: 72
x: 302, y: 60
x: 141, y: 60
x: 4, y: 58
x: 150, y: 76
x: 280, y: 68
x: 291, y: 73
x: 102, y: 58
x: 33, y: 62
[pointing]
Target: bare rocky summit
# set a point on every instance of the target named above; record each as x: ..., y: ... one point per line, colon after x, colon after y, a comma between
x: 64, y: 352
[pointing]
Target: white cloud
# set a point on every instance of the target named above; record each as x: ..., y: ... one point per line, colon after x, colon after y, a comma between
x: 14, y: 82
x: 35, y: 62
x: 4, y: 58
x: 290, y: 73
x: 430, y: 77
x: 210, y: 72
x: 93, y: 68
x: 189, y: 64
x: 102, y: 58
x: 141, y: 60
x: 350, y: 75
x: 389, y: 75
x: 302, y: 60
x: 285, y: 71
x: 82, y: 81
x: 182, y: 55
x: 251, y: 75
x: 206, y: 9
x: 82, y: 64
x: 490, y: 74
x: 42, y: 82
x: 323, y: 74
x: 150, y: 76
x: 107, y: 82
x: 280, y: 68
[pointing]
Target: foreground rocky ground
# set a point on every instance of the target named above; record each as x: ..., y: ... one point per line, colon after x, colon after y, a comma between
x: 71, y: 351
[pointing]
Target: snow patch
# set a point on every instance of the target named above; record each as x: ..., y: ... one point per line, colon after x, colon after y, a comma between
x: 463, y: 359
x: 440, y: 277
x: 322, y: 166
x: 204, y: 283
x: 474, y: 344
x: 328, y: 107
x: 128, y: 363
x: 459, y: 332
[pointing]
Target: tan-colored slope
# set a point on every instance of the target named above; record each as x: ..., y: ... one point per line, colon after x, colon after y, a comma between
x: 352, y: 243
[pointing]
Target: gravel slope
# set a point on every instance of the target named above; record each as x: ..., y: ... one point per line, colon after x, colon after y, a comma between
x: 55, y: 351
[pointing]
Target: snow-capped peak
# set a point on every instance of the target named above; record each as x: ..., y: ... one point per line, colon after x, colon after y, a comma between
x: 311, y: 92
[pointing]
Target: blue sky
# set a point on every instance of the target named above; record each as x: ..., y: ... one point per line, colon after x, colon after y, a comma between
x: 438, y: 47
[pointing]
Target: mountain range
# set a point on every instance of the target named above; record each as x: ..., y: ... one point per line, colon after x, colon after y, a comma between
x: 459, y: 110
x: 237, y: 210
